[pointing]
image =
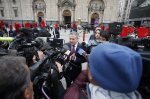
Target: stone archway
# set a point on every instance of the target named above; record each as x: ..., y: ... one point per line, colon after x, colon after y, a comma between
x: 40, y: 16
x: 39, y: 10
x: 67, y: 16
x: 64, y: 7
x: 96, y: 11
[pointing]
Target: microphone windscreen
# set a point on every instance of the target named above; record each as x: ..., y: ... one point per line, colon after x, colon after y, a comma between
x: 67, y: 52
x: 81, y: 51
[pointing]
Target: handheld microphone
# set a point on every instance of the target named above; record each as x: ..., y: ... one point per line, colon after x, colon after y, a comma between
x: 66, y: 54
x: 83, y: 53
x: 10, y: 39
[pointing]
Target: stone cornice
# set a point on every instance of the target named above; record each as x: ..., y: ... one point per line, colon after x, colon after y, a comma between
x: 67, y: 3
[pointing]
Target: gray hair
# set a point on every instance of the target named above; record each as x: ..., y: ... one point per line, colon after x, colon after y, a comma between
x: 74, y: 33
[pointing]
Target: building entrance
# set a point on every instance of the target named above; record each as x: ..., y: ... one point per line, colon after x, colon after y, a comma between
x: 94, y: 19
x: 67, y: 17
x: 40, y: 16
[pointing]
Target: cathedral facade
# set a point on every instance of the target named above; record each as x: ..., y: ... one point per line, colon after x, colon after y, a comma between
x: 62, y: 11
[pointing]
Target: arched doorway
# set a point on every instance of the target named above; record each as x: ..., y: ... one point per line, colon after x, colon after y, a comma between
x: 40, y: 16
x: 96, y: 11
x: 67, y: 17
x: 39, y: 10
x: 94, y: 19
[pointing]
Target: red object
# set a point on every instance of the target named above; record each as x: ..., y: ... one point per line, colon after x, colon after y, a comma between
x: 56, y: 26
x: 27, y: 25
x: 131, y: 29
x: 102, y: 27
x: 108, y: 29
x: 0, y: 26
x: 10, y: 27
x: 74, y: 26
x: 43, y: 24
x: 17, y: 26
x: 2, y: 23
x: 84, y: 36
x: 137, y: 28
x: 34, y: 24
x: 125, y: 31
x: 142, y: 32
x: 148, y: 31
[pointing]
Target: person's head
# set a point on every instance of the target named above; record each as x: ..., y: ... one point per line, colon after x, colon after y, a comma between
x: 15, y: 80
x: 73, y: 38
x: 104, y: 35
x: 115, y: 67
x: 97, y: 34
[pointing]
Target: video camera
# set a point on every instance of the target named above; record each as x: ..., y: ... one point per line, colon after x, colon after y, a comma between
x: 55, y: 42
x: 45, y: 74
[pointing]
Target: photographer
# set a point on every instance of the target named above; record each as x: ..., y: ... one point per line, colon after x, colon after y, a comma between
x: 15, y: 80
x: 46, y: 75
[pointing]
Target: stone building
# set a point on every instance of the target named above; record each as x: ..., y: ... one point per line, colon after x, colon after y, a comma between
x: 62, y: 11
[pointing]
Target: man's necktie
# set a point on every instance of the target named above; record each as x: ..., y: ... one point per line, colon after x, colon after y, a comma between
x: 73, y: 49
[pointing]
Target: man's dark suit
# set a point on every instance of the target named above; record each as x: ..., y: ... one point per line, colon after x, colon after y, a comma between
x: 74, y: 67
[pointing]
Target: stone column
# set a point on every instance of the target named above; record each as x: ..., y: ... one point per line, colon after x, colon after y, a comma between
x: 35, y: 15
x: 102, y: 15
x: 60, y: 15
x: 73, y: 13
x: 88, y: 16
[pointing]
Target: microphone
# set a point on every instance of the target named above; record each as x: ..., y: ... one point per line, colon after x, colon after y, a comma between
x: 83, y: 53
x: 10, y: 39
x: 66, y: 54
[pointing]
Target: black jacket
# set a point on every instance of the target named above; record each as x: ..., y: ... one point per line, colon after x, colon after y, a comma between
x: 74, y: 68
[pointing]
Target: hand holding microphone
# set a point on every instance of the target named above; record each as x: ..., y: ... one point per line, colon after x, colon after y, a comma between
x: 73, y: 57
x: 66, y: 54
x: 83, y: 53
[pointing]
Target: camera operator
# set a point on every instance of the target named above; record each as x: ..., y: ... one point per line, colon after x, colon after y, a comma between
x: 74, y: 59
x: 27, y: 34
x: 15, y: 80
x: 47, y: 71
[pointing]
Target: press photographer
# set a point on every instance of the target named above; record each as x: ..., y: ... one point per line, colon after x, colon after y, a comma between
x: 25, y: 45
x: 46, y: 73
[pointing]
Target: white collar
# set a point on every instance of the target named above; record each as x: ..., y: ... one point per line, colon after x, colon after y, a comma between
x: 75, y: 46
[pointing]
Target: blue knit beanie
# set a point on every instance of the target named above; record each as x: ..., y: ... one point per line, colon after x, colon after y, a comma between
x: 115, y: 67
